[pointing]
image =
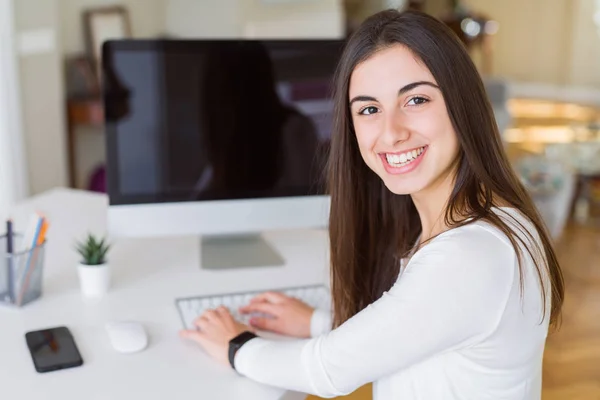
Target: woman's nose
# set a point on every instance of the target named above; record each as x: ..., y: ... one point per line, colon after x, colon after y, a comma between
x: 395, y: 130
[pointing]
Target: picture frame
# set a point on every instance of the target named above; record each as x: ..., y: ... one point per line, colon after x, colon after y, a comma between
x: 102, y: 24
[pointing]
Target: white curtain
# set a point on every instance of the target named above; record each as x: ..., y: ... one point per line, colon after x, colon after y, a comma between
x: 13, y: 174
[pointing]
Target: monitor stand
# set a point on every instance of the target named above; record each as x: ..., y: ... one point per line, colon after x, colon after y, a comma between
x: 238, y: 251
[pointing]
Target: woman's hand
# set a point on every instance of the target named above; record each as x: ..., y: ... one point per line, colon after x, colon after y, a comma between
x: 217, y: 328
x: 285, y: 315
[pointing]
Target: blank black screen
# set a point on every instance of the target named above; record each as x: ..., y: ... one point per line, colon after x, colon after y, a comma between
x: 190, y: 120
x: 53, y: 349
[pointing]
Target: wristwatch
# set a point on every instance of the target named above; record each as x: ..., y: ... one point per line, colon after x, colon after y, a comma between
x: 237, y: 342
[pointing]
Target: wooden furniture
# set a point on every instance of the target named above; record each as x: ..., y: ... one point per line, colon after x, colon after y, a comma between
x: 80, y: 112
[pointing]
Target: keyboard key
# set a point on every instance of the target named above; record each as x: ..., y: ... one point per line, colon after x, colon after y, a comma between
x: 246, y: 299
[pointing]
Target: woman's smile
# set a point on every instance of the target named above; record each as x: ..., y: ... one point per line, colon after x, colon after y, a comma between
x: 403, y: 162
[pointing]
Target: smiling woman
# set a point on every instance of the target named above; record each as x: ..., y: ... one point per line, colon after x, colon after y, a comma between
x: 444, y: 281
x: 396, y: 134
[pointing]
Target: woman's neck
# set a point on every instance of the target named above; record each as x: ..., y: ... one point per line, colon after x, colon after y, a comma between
x: 431, y: 204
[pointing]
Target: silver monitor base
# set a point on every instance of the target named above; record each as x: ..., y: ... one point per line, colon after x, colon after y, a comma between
x: 238, y: 251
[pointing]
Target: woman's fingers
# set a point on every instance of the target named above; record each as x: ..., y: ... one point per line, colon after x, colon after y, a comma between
x: 265, y: 308
x: 222, y: 311
x: 201, y: 322
x: 224, y: 314
x: 210, y: 316
x: 271, y: 297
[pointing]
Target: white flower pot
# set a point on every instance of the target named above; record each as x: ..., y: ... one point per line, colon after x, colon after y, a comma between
x: 94, y: 279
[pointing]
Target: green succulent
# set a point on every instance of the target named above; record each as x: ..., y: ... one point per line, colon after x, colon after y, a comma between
x: 93, y: 250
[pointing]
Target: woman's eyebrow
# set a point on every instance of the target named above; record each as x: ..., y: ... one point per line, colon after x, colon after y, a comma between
x: 404, y: 89
x: 362, y: 98
x: 411, y: 86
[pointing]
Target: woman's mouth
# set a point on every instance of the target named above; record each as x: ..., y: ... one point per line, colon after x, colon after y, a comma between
x: 399, y: 160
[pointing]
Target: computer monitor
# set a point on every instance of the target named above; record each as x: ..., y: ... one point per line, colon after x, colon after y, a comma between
x: 223, y: 139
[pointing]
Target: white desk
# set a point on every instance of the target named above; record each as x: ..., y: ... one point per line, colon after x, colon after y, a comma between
x: 148, y: 275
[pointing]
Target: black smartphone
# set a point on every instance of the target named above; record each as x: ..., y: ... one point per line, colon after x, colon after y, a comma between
x: 53, y: 349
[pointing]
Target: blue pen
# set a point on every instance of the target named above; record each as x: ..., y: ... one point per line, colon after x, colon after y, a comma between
x: 9, y: 251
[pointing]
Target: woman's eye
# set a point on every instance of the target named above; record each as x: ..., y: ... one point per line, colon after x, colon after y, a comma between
x: 417, y: 101
x: 368, y: 110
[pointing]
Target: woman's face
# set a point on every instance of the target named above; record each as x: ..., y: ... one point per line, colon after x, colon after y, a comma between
x: 403, y: 129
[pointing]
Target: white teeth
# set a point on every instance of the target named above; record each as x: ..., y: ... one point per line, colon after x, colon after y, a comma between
x: 399, y: 160
x: 393, y: 158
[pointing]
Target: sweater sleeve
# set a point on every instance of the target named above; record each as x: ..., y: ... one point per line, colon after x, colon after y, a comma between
x: 451, y: 295
x: 320, y: 322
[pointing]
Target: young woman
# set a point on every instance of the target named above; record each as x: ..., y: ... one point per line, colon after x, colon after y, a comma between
x: 444, y: 280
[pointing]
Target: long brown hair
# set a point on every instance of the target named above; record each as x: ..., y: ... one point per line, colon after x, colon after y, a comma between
x: 370, y: 227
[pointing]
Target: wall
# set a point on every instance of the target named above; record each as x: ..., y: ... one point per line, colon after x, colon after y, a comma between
x: 307, y: 19
x: 254, y: 18
x: 545, y: 41
x: 549, y: 42
x: 533, y: 39
x: 42, y: 82
x: 147, y: 20
x: 584, y: 61
x: 41, y: 86
x: 437, y: 7
x: 204, y: 18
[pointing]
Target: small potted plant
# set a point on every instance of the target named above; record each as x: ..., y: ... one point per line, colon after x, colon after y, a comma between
x: 93, y: 269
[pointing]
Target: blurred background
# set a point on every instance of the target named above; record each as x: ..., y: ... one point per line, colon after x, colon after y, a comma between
x: 540, y: 61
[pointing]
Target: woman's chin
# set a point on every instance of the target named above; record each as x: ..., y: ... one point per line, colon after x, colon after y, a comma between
x: 400, y: 190
x: 405, y: 185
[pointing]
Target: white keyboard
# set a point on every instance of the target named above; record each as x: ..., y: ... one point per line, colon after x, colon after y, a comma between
x: 190, y: 308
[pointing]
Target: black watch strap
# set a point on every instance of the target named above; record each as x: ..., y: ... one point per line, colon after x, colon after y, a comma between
x: 237, y: 342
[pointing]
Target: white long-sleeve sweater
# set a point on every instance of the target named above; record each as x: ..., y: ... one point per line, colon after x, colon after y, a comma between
x: 453, y: 326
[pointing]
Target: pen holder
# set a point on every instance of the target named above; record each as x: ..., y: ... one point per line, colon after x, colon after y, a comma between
x: 20, y: 272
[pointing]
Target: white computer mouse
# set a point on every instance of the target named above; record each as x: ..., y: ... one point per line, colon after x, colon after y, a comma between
x: 127, y: 336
